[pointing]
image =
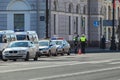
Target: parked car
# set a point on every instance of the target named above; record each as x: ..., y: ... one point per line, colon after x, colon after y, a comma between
x: 20, y: 50
x: 47, y: 48
x: 62, y: 45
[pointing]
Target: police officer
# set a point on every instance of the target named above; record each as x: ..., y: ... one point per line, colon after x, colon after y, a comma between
x: 83, y: 41
x: 75, y: 39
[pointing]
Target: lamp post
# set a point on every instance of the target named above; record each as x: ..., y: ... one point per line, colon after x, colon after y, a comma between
x: 47, y: 15
x: 113, y: 44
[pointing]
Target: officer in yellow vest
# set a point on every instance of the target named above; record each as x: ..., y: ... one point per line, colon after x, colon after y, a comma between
x: 83, y: 41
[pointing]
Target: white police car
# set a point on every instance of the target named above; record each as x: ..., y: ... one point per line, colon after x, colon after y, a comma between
x: 47, y: 48
x: 62, y: 45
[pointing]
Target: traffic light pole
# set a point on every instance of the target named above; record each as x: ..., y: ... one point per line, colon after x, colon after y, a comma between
x: 113, y: 44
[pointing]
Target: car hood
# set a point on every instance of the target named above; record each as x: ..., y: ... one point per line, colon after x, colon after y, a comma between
x: 16, y: 48
x: 58, y: 46
x: 41, y: 47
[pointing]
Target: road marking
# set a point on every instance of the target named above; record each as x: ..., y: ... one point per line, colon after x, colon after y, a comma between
x: 55, y: 65
x: 114, y: 63
x: 74, y: 74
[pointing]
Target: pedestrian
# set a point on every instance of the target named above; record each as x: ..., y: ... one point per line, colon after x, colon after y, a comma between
x: 103, y: 40
x: 75, y: 39
x: 83, y: 42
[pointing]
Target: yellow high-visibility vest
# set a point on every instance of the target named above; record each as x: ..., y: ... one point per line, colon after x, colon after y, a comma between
x: 83, y: 39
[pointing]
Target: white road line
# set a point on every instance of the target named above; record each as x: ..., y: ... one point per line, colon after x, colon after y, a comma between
x: 74, y: 74
x: 114, y: 63
x: 55, y: 65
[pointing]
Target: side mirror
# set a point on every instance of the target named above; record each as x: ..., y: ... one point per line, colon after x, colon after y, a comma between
x: 63, y: 44
x: 51, y: 45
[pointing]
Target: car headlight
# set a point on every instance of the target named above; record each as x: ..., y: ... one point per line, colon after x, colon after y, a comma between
x: 6, y: 52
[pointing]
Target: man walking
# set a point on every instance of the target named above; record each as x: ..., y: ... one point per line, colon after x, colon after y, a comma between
x: 83, y: 41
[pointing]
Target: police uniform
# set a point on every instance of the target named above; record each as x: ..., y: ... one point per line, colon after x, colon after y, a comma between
x: 75, y: 39
x: 83, y: 43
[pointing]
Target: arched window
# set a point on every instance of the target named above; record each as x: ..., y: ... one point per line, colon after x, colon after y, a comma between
x: 70, y: 8
x: 109, y: 13
x: 78, y: 9
x: 55, y: 5
x: 102, y: 10
x: 105, y: 12
x: 84, y: 9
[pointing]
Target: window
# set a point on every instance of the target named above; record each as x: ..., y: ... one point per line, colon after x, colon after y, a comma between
x: 54, y: 23
x: 109, y: 13
x: 84, y: 9
x: 77, y: 25
x: 55, y: 5
x: 69, y: 25
x: 19, y: 21
x: 70, y: 8
x: 77, y: 8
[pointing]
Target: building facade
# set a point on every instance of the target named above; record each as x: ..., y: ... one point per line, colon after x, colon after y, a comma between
x: 67, y: 18
x: 71, y: 17
x: 23, y: 15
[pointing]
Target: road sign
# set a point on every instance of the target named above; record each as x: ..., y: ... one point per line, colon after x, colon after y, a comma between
x: 96, y: 23
x: 109, y: 23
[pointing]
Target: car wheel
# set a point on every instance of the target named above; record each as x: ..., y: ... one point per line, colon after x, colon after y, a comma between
x: 68, y: 53
x: 27, y: 57
x: 14, y: 59
x: 62, y: 54
x: 4, y: 59
x: 56, y: 54
x: 36, y: 56
x: 49, y: 54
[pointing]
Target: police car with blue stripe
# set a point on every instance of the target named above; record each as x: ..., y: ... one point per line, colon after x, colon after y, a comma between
x: 62, y: 46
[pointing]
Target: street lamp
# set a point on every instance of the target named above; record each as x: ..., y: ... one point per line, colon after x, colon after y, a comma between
x: 113, y: 45
x: 47, y: 15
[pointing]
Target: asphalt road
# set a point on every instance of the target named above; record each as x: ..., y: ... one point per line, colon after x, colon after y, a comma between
x: 102, y: 66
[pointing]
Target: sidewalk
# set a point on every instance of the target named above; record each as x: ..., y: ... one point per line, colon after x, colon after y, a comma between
x: 97, y: 50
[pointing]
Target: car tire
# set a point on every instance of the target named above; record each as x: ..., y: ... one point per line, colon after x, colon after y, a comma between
x: 49, y: 54
x: 68, y: 53
x: 14, y: 59
x: 5, y: 60
x: 27, y: 57
x: 36, y: 56
x: 56, y: 54
x: 62, y: 54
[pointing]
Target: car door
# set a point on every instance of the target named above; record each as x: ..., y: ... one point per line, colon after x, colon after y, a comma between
x: 32, y: 49
x: 52, y: 47
x: 66, y: 46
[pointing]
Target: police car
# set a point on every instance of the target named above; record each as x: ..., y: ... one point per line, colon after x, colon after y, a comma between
x: 62, y: 45
x: 47, y: 48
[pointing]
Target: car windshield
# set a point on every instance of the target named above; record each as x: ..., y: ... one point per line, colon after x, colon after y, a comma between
x: 58, y: 42
x: 43, y: 43
x: 21, y: 37
x: 19, y: 44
